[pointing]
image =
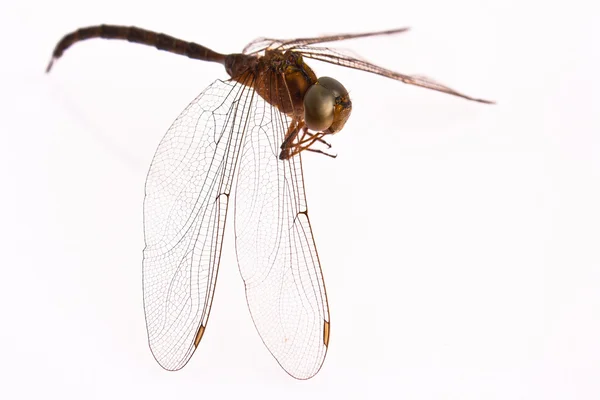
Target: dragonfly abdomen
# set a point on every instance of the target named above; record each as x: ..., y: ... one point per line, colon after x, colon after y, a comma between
x: 136, y: 35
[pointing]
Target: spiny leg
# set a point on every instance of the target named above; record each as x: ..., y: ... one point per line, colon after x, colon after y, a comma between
x: 317, y: 136
x: 300, y: 149
x: 295, y: 125
x: 290, y: 136
x: 304, y: 144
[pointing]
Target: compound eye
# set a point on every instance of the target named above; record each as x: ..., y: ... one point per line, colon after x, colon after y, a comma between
x: 319, y: 104
x: 335, y: 86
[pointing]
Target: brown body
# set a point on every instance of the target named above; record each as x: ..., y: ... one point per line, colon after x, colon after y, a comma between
x: 281, y: 79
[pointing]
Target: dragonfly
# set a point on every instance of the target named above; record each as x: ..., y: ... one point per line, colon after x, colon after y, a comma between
x: 252, y: 128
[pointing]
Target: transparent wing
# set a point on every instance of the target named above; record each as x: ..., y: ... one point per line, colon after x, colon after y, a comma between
x: 259, y: 44
x: 187, y: 193
x: 276, y: 251
x: 339, y: 58
x: 293, y: 43
x: 284, y: 44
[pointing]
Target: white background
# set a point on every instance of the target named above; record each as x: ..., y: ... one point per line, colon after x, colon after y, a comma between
x: 459, y: 241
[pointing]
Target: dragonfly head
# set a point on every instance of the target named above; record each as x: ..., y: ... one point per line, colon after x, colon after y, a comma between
x: 327, y: 106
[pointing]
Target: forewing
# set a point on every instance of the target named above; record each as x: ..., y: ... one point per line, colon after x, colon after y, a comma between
x: 187, y: 193
x: 276, y: 251
x: 259, y: 44
x: 284, y: 44
x: 293, y: 43
x: 339, y: 58
x: 334, y: 56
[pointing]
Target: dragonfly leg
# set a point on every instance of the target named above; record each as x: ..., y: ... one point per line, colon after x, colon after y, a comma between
x: 305, y: 144
x: 317, y: 136
x: 290, y: 136
x: 300, y: 149
x: 322, y: 152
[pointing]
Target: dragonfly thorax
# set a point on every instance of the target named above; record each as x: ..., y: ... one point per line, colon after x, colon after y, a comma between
x: 285, y: 81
